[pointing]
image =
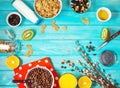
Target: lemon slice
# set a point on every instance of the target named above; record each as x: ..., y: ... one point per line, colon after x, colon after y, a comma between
x: 84, y: 82
x: 105, y: 34
x: 12, y: 62
x: 68, y: 81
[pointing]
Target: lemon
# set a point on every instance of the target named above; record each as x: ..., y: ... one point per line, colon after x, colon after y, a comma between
x: 105, y: 34
x: 12, y: 62
x: 84, y: 82
x: 68, y: 81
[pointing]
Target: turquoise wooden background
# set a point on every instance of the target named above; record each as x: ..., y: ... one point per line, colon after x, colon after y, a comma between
x: 61, y: 45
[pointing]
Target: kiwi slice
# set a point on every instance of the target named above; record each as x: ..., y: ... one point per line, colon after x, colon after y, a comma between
x: 28, y: 35
x: 105, y: 34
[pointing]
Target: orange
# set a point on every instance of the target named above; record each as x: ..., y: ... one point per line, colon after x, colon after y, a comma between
x: 84, y: 82
x: 12, y: 62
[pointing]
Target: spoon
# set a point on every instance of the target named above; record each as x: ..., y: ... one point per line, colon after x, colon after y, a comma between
x: 23, y: 81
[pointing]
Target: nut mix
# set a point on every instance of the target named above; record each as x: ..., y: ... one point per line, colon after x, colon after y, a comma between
x: 47, y: 8
x: 80, y: 6
x: 41, y: 78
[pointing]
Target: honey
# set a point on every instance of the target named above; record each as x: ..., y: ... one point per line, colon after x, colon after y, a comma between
x: 103, y: 15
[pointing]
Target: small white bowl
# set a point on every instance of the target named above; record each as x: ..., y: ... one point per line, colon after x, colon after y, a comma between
x: 50, y: 17
x: 107, y: 10
x: 10, y: 15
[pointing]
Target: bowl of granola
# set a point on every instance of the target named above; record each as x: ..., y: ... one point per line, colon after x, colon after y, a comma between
x: 48, y: 8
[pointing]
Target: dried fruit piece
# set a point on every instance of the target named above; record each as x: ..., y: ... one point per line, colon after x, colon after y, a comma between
x: 43, y: 27
x: 29, y: 46
x: 53, y: 22
x: 64, y: 28
x: 105, y: 34
x: 54, y: 25
x: 85, y: 21
x: 28, y: 35
x: 84, y: 82
x: 29, y: 52
x: 12, y: 62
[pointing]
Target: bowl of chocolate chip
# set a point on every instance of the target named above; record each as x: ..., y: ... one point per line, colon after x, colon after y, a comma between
x: 14, y: 19
x: 80, y: 6
x: 47, y: 8
x: 41, y: 77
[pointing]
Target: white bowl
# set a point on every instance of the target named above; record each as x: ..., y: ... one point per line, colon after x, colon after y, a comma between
x: 107, y: 10
x: 42, y: 67
x: 16, y: 14
x: 50, y: 17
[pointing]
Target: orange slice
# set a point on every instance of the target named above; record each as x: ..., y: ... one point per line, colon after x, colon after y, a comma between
x: 12, y: 62
x: 84, y: 82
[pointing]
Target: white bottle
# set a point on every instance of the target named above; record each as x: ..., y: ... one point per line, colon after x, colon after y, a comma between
x: 26, y: 11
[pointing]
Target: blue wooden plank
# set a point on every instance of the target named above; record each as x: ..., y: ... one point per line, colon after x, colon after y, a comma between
x: 112, y: 4
x: 68, y: 18
x: 72, y: 32
x: 56, y: 61
x: 67, y: 47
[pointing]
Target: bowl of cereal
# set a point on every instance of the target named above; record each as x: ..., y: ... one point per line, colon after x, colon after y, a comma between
x: 40, y: 77
x: 48, y: 8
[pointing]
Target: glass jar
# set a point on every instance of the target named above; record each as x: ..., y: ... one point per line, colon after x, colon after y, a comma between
x: 11, y: 47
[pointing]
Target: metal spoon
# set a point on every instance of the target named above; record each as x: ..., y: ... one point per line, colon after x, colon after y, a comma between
x: 23, y: 81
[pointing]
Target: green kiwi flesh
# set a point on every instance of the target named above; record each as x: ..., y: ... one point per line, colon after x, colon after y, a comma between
x: 28, y: 35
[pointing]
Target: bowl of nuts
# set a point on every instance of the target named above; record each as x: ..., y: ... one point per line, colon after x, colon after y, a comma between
x: 80, y: 6
x: 48, y: 8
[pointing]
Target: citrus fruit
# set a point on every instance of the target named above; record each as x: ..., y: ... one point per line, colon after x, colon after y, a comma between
x: 105, y: 34
x: 84, y: 82
x: 28, y: 35
x: 68, y: 81
x: 12, y: 62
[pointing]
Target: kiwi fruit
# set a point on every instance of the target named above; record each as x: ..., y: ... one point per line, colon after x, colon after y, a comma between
x: 105, y: 34
x: 28, y: 35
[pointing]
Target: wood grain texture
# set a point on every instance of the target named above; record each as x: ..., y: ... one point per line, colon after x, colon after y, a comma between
x: 61, y: 45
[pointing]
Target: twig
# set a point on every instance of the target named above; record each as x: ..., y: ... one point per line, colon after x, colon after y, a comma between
x: 94, y: 74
